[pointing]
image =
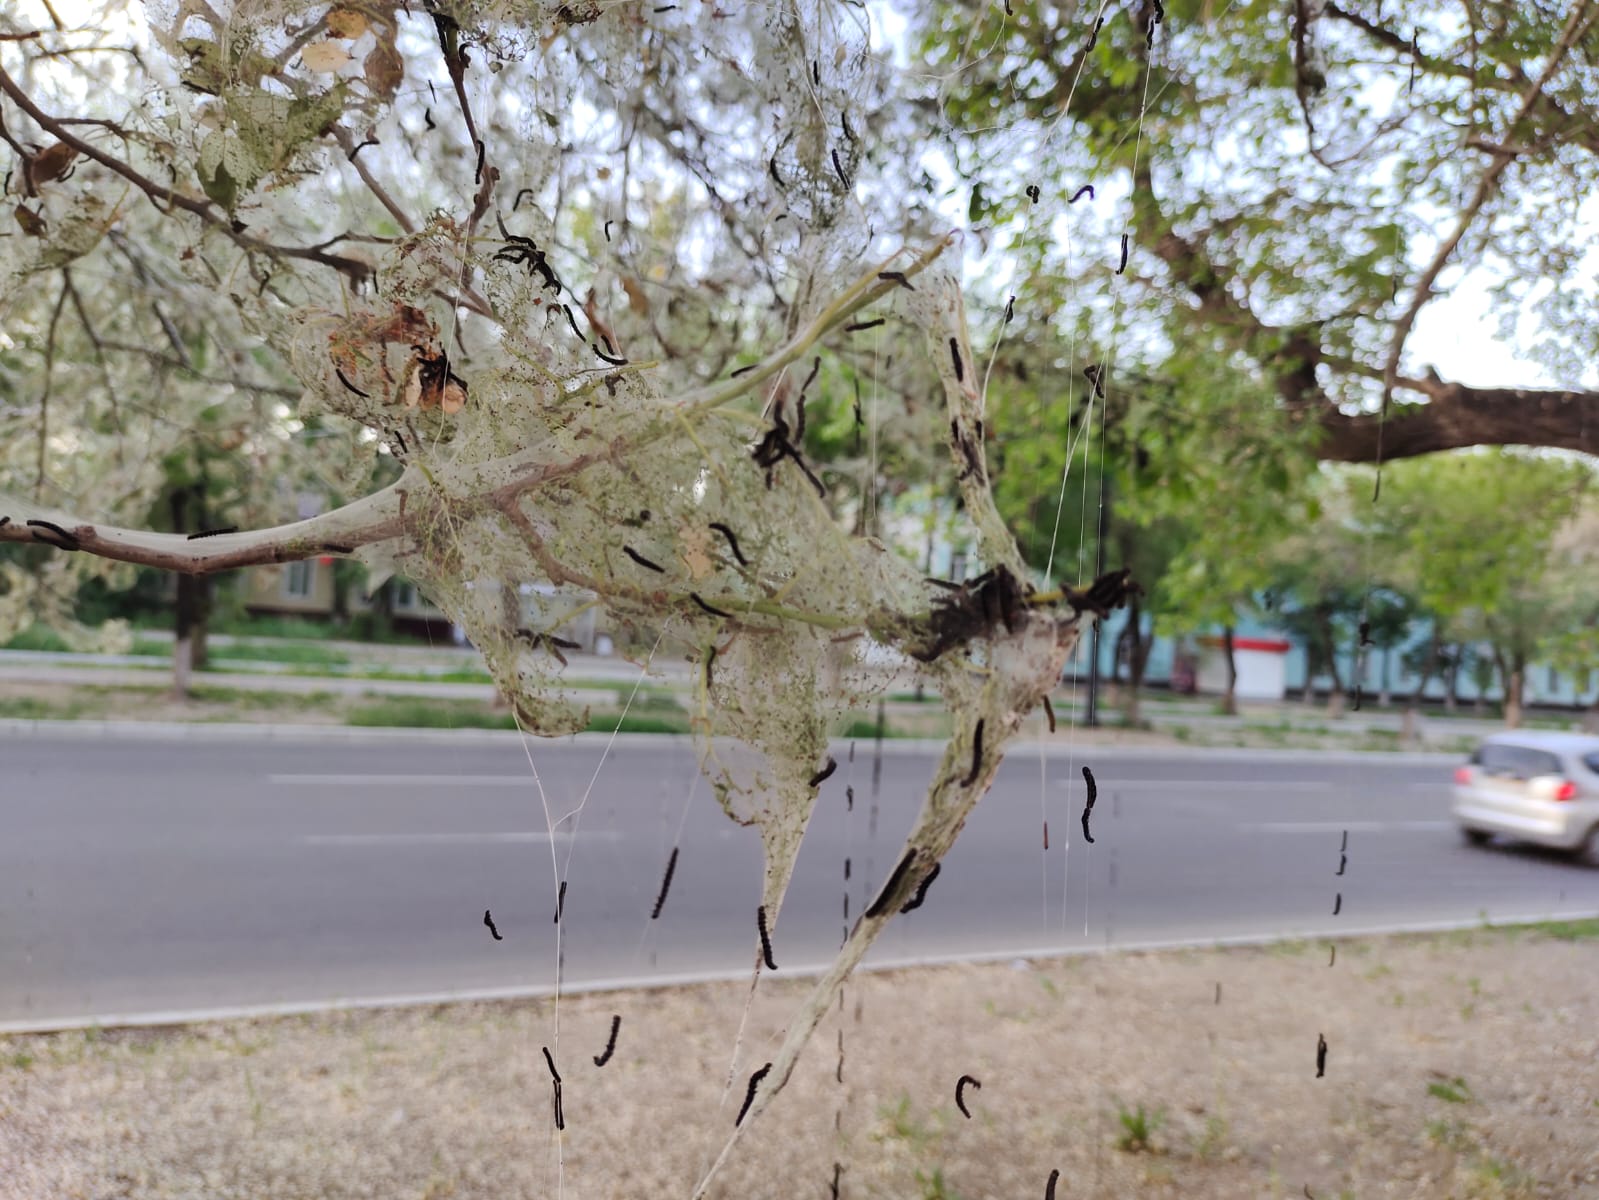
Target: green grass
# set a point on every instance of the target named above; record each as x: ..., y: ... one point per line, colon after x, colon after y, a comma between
x: 903, y: 1125
x: 1452, y: 1134
x: 1138, y: 1127
x: 30, y: 708
x: 934, y: 1186
x: 1451, y: 1091
x: 862, y: 729
x: 1567, y: 931
x: 37, y: 637
x: 243, y: 696
x: 293, y: 628
x: 222, y: 658
x: 637, y: 723
x: 299, y: 653
x: 466, y: 675
x: 648, y: 700
x: 424, y: 713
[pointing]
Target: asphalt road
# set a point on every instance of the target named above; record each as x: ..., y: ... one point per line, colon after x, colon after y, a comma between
x: 164, y: 876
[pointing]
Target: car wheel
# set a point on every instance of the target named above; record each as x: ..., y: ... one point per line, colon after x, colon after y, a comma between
x: 1588, y: 852
x: 1475, y: 837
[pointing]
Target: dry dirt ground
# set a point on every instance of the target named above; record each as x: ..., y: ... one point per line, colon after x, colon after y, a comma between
x: 1457, y: 1066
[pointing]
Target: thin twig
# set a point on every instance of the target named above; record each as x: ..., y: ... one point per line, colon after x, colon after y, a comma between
x: 99, y: 356
x: 401, y: 218
x: 44, y: 394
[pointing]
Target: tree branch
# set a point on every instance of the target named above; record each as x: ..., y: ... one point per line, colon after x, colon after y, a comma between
x: 1456, y: 416
x: 354, y: 268
x: 382, y: 515
x: 1581, y: 16
x: 373, y: 518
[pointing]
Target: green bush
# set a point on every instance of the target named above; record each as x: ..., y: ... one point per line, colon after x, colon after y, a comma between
x: 37, y: 637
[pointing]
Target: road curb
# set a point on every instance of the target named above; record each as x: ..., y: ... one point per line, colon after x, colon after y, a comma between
x: 1025, y: 957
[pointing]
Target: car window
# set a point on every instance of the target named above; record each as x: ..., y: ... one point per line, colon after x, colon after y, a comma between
x: 1518, y: 762
x: 1591, y: 761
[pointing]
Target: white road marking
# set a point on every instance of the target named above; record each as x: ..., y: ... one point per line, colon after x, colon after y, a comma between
x: 1207, y: 785
x: 513, y: 837
x: 1340, y: 826
x: 438, y: 781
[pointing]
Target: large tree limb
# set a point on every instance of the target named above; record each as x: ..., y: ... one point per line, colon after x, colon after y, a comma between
x: 1581, y: 17
x: 373, y: 518
x: 497, y: 484
x: 1457, y: 416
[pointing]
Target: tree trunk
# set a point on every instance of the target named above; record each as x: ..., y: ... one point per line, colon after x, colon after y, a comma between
x: 192, y: 602
x: 1137, y: 659
x: 1335, y: 698
x: 1502, y: 669
x: 1452, y: 691
x: 1229, y: 700
x: 1429, y: 668
x: 1514, y: 697
x: 382, y: 602
x: 1590, y: 717
x: 1385, y: 696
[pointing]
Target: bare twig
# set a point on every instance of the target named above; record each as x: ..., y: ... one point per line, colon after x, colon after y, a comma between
x: 99, y: 355
x: 44, y: 395
x: 401, y: 218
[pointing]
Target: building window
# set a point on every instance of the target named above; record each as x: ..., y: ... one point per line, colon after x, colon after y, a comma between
x: 297, y: 580
x: 404, y: 595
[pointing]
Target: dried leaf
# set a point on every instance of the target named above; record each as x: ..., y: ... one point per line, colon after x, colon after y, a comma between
x: 346, y: 23
x: 695, y: 551
x: 51, y: 163
x: 385, y: 68
x: 636, y: 299
x: 32, y: 223
x: 324, y: 56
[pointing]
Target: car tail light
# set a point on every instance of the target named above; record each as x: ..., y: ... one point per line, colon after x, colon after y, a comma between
x: 1462, y: 774
x: 1566, y: 790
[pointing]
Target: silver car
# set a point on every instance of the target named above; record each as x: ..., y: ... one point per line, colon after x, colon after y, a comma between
x: 1532, y: 787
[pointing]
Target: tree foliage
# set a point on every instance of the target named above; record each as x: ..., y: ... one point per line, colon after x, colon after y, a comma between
x: 1302, y: 182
